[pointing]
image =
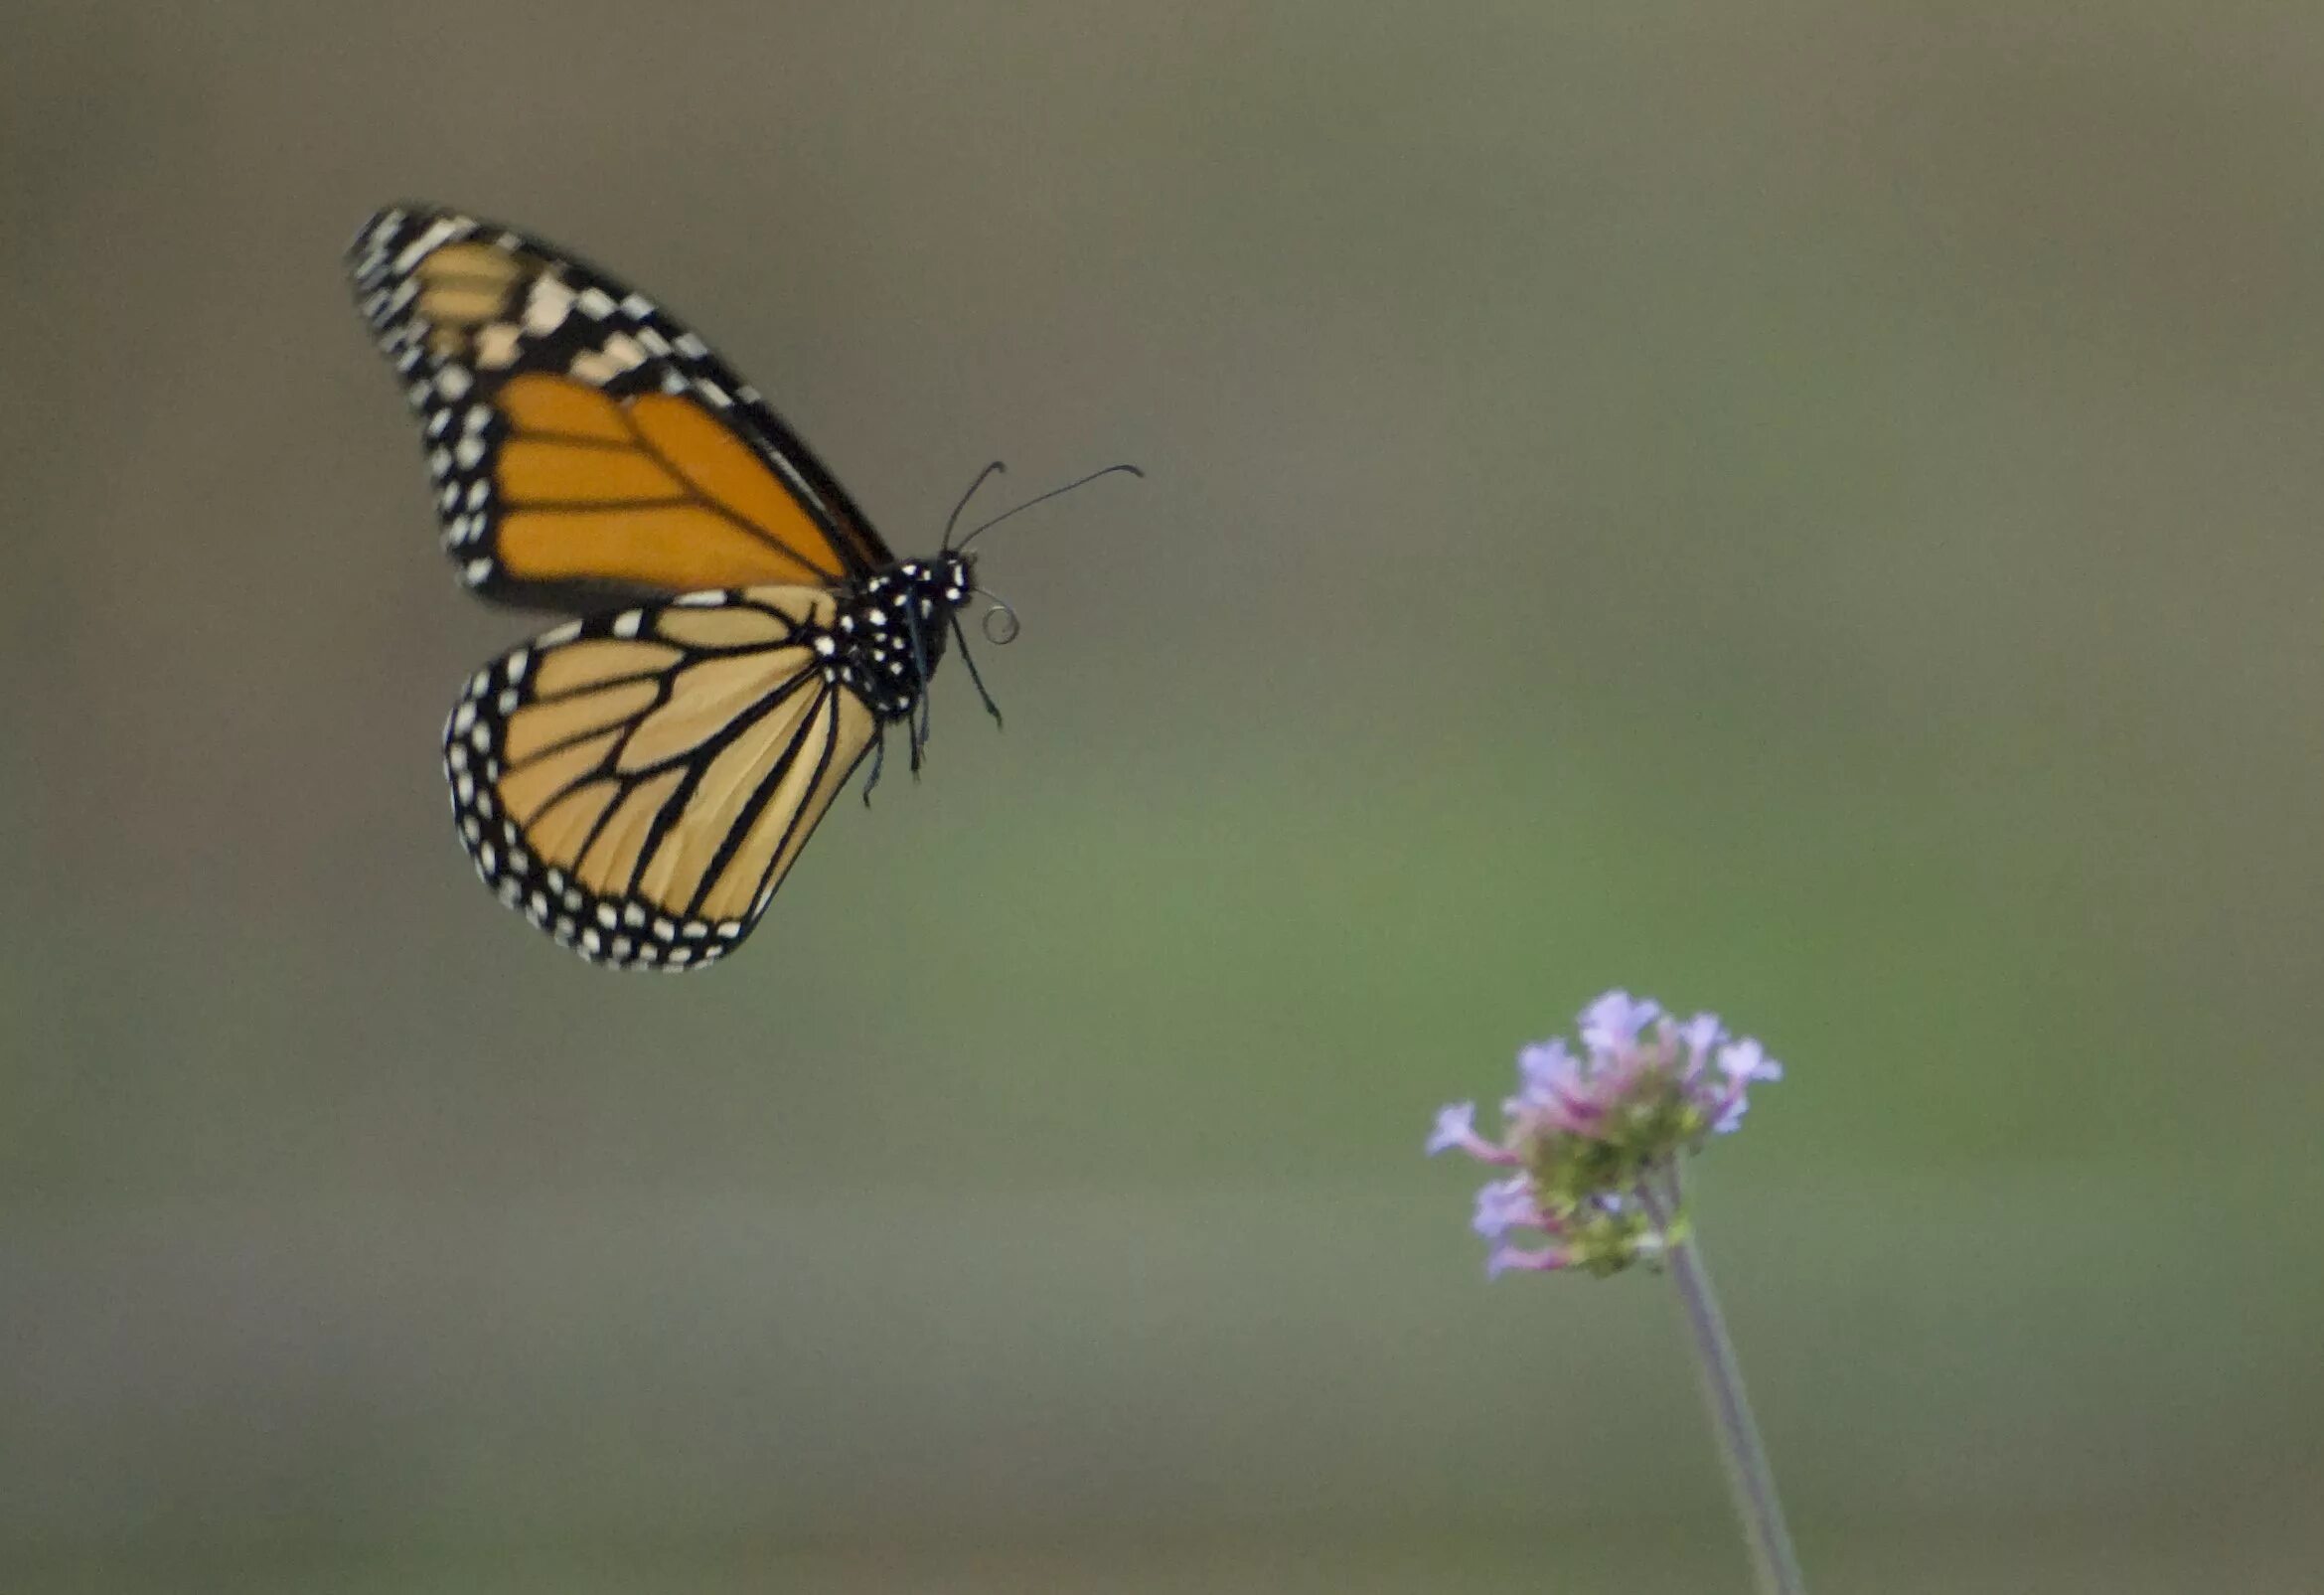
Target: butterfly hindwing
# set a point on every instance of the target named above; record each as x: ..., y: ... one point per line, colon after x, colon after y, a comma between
x: 639, y: 783
x: 583, y: 444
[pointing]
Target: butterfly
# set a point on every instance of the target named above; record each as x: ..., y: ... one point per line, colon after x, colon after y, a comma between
x: 638, y: 781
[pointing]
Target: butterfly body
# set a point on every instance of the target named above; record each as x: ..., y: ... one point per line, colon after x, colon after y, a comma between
x: 888, y: 632
x: 637, y: 781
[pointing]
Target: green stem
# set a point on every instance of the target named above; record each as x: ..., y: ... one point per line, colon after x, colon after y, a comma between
x: 1749, y: 1478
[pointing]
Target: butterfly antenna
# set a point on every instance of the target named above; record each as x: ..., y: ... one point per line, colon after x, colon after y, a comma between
x: 1045, y: 497
x: 983, y: 476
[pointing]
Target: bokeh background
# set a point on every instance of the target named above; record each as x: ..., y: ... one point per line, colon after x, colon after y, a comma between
x: 1808, y: 510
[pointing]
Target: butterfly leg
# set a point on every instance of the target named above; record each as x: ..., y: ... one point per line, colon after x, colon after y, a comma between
x: 970, y: 660
x: 913, y: 738
x: 919, y: 723
x: 878, y: 757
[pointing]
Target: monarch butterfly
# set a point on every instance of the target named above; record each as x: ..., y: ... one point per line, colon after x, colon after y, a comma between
x: 637, y: 782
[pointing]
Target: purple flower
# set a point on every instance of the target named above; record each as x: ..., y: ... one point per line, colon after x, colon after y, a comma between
x: 1587, y: 1130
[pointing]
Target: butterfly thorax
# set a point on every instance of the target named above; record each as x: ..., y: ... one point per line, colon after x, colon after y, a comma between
x: 889, y: 630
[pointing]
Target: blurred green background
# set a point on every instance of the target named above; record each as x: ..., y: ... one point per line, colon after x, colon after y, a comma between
x: 1808, y: 509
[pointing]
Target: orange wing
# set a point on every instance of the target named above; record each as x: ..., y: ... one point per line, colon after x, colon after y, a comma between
x: 582, y: 444
x: 638, y: 784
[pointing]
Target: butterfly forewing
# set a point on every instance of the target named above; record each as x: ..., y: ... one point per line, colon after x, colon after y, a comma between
x: 582, y: 445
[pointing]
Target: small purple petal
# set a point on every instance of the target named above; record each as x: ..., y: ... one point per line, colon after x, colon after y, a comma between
x: 1547, y: 1067
x: 1611, y: 1024
x: 1505, y: 1204
x: 1559, y: 1091
x: 1743, y: 1064
x: 1698, y: 1036
x: 1746, y: 1061
x: 1539, y: 1259
x: 1455, y: 1126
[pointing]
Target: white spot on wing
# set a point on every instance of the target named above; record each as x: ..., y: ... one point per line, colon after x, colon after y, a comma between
x: 625, y: 351
x: 496, y: 345
x: 546, y: 308
x: 436, y: 233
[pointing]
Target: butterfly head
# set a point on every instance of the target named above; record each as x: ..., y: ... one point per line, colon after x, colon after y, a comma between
x: 934, y: 588
x: 927, y: 591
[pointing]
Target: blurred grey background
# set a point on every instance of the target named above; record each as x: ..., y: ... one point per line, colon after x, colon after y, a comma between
x: 1807, y: 510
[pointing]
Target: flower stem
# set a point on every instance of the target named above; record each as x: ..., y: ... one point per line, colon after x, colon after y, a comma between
x: 1749, y: 1478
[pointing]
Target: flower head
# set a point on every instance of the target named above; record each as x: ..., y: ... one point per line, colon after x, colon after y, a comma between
x: 1588, y: 1130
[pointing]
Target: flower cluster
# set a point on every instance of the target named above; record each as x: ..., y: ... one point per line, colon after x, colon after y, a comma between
x: 1586, y: 1134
